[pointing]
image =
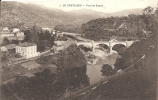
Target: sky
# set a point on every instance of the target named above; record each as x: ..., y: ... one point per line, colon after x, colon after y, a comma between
x: 107, y: 6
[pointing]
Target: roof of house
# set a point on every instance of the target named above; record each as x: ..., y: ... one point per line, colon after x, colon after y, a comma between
x: 15, y: 38
x: 26, y: 44
x: 10, y: 46
x: 12, y: 38
x: 15, y: 30
x: 6, y: 32
x: 6, y: 28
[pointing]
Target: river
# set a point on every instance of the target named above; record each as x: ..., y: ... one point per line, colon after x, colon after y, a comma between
x: 93, y: 71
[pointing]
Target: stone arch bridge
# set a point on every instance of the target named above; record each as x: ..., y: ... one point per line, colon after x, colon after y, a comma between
x: 110, y: 44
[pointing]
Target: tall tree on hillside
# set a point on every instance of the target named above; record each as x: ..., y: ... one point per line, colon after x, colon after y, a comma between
x: 40, y: 46
x: 148, y: 10
x: 34, y: 34
x: 51, y: 41
x: 27, y: 36
x: 151, y: 18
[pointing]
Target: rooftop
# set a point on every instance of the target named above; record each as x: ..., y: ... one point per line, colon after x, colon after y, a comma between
x: 26, y: 44
x: 6, y: 32
x: 10, y: 46
x: 15, y: 30
x: 15, y: 38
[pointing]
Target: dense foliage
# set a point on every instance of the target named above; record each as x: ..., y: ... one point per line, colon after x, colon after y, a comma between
x: 131, y: 26
x: 107, y: 70
x: 139, y: 48
x: 45, y: 85
x: 71, y: 58
x: 70, y: 76
x: 43, y: 39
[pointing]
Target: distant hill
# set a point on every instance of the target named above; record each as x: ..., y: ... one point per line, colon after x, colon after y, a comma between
x: 126, y: 12
x: 87, y: 12
x: 19, y: 13
x: 16, y: 14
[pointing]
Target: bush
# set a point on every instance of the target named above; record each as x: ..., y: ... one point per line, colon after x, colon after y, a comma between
x: 107, y: 70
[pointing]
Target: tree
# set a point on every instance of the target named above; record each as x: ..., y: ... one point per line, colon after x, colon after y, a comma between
x: 151, y: 18
x: 34, y: 35
x: 27, y: 36
x: 40, y: 46
x: 148, y: 10
x: 5, y: 41
x: 107, y: 70
x: 51, y: 41
x: 120, y: 64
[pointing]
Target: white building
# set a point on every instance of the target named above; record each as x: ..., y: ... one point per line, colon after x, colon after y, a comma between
x: 27, y: 50
x: 6, y: 33
x: 5, y: 30
x: 15, y: 34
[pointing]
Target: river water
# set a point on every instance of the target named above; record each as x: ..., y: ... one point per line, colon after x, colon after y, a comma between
x: 93, y: 71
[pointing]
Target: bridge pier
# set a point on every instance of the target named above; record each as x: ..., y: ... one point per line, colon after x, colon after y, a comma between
x: 93, y: 47
x: 110, y: 49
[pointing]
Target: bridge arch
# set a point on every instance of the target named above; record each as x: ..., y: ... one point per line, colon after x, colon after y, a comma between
x: 105, y: 46
x: 110, y: 44
x: 102, y: 46
x: 96, y: 44
x: 117, y: 44
x: 116, y: 47
x: 85, y: 48
x: 85, y: 44
x: 114, y: 43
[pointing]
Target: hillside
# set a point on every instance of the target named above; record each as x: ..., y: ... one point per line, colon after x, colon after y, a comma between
x: 130, y: 26
x: 16, y: 14
x: 19, y: 13
x: 137, y: 84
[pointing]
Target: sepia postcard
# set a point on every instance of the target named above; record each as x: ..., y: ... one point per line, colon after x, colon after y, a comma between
x: 78, y: 49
